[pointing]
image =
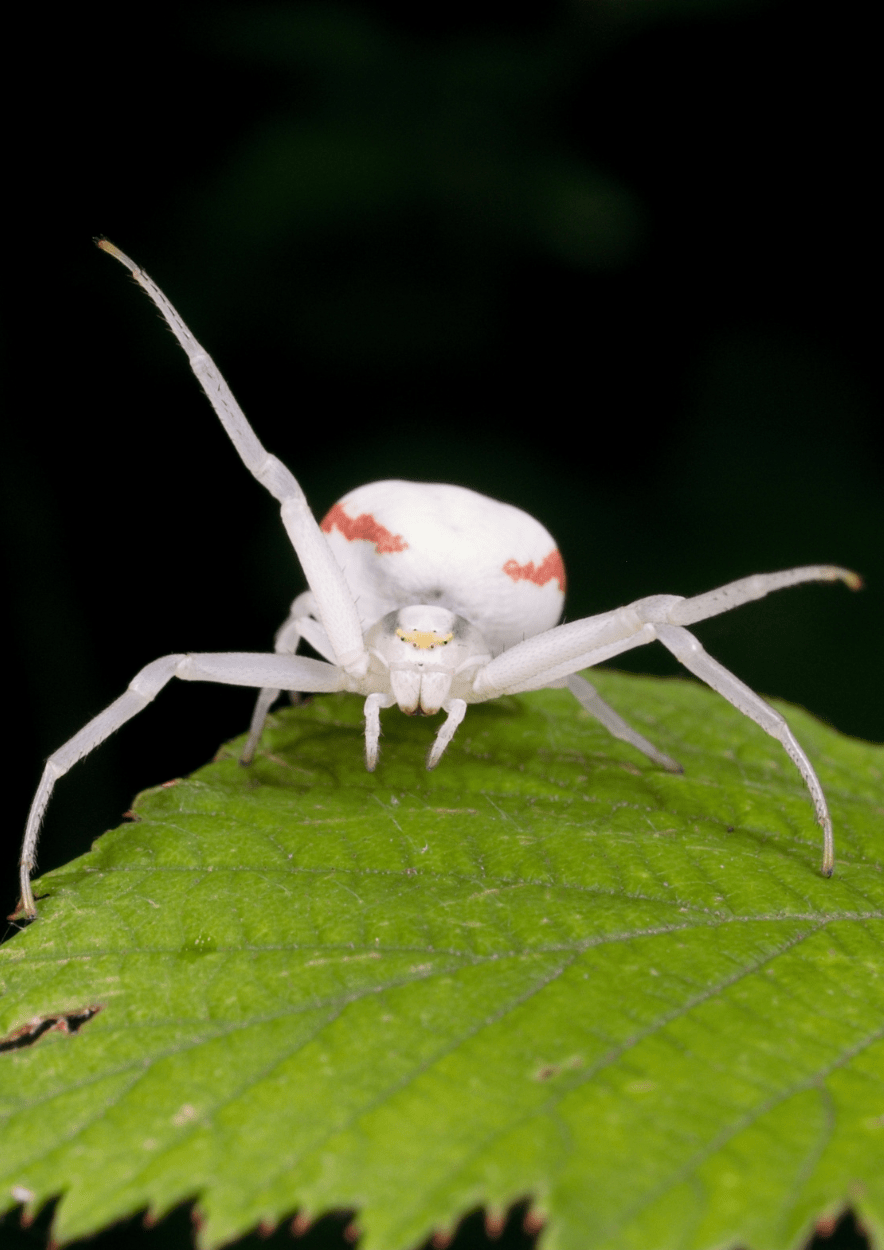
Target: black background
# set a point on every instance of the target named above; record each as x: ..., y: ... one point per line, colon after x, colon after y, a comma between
x: 612, y: 262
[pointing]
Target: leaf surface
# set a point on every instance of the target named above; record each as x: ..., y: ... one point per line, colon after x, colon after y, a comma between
x: 547, y: 969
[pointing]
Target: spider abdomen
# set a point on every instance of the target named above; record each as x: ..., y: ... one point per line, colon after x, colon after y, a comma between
x: 401, y: 543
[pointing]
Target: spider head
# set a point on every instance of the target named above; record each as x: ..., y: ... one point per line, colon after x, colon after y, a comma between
x: 428, y: 655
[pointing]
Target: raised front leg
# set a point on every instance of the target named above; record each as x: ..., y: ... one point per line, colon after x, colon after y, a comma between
x: 333, y: 598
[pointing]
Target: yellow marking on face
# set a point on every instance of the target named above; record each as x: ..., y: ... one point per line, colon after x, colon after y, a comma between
x: 424, y: 639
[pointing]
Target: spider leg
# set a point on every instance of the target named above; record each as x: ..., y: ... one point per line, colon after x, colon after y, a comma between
x: 685, y: 647
x: 373, y: 705
x: 456, y: 709
x: 746, y: 589
x: 589, y: 698
x: 231, y: 668
x: 333, y: 598
x: 299, y: 624
x: 264, y: 702
x: 545, y: 659
x: 558, y: 652
x: 285, y: 643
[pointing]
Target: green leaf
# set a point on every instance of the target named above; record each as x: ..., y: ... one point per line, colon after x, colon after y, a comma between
x: 546, y: 969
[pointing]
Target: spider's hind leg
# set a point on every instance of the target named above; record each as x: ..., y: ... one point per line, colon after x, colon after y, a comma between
x: 300, y: 623
x: 266, y: 698
x: 589, y: 698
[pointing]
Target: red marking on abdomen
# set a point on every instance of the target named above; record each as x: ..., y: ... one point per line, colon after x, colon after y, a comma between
x: 365, y: 527
x: 540, y: 574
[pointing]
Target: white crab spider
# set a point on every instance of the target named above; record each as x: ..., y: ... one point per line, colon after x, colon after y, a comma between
x: 432, y: 597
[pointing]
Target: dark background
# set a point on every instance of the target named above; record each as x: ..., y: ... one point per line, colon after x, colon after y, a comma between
x: 611, y: 261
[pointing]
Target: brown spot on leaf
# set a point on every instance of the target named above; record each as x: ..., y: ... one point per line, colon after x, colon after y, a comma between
x: 56, y: 1022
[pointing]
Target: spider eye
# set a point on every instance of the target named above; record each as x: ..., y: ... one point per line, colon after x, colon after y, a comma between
x: 424, y: 639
